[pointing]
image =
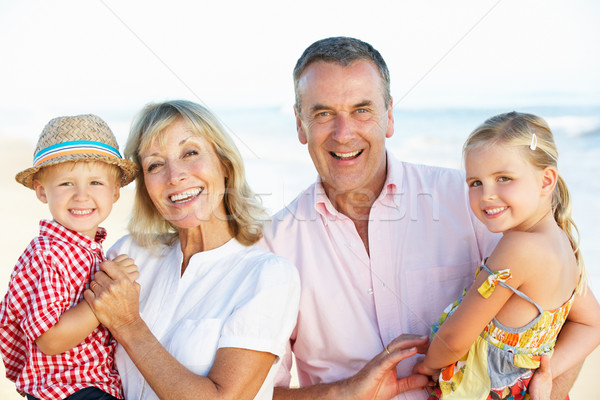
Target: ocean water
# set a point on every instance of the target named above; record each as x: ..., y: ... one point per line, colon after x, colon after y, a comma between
x: 279, y: 167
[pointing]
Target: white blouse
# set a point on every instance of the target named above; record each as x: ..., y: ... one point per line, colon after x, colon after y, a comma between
x: 232, y: 296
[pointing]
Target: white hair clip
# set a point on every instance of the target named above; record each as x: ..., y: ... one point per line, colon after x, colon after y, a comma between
x: 533, y: 144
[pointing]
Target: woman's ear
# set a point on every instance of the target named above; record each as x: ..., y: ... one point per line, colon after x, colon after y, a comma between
x: 549, y: 180
x: 40, y: 192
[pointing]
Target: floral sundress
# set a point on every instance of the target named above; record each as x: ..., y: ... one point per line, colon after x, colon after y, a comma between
x: 499, y: 364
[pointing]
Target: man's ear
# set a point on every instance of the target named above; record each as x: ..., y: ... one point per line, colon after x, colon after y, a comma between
x: 390, y: 123
x: 40, y: 192
x: 549, y: 180
x: 299, y: 128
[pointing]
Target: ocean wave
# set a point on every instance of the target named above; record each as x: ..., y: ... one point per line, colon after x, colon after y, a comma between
x: 575, y: 125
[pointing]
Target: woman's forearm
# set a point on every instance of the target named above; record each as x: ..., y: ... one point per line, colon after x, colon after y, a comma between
x: 167, y: 377
x: 236, y: 373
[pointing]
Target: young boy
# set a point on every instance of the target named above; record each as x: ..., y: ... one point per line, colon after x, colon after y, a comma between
x: 52, y: 344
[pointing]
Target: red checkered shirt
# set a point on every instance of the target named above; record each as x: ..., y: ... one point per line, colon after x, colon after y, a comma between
x: 48, y: 279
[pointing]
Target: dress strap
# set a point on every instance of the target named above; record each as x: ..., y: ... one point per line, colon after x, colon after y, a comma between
x: 500, y: 278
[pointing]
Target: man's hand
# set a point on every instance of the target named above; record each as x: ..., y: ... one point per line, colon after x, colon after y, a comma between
x: 540, y: 385
x: 378, y: 378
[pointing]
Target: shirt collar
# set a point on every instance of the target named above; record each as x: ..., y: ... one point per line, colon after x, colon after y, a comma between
x: 55, y: 230
x: 393, y: 181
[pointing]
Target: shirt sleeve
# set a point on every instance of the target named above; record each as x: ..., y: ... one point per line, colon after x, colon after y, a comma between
x: 265, y: 321
x: 49, y: 296
x: 486, y: 240
x: 284, y: 373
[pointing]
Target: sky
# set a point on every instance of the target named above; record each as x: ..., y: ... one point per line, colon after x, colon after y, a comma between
x: 111, y: 57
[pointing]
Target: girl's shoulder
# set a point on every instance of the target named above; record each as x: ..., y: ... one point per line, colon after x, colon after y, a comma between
x: 524, y: 253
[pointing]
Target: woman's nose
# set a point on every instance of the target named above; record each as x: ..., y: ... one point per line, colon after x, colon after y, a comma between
x: 176, y: 172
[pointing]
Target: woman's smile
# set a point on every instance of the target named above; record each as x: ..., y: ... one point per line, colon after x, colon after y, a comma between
x: 186, y: 196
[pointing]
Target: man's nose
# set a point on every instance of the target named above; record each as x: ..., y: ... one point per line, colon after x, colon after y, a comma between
x: 343, y: 127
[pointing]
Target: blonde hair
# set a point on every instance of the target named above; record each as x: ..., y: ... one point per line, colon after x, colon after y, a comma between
x: 245, y: 213
x: 517, y: 129
x: 115, y: 172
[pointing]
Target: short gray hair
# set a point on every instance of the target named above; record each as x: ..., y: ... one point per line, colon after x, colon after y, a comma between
x: 344, y: 51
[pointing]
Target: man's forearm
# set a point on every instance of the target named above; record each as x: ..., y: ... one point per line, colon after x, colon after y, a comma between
x: 323, y: 391
x: 563, y: 383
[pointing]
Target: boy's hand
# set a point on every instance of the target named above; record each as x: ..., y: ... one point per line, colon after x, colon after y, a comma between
x: 127, y: 265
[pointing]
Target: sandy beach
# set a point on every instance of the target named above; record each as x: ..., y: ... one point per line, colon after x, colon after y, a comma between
x: 21, y: 211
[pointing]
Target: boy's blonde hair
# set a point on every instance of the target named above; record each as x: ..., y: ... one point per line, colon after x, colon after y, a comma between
x: 517, y: 129
x: 115, y: 171
x: 245, y: 214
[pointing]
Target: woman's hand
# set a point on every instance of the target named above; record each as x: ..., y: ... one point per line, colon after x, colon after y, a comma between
x: 127, y: 265
x: 114, y: 294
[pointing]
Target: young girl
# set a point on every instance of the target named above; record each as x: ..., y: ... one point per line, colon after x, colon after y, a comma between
x: 531, y: 282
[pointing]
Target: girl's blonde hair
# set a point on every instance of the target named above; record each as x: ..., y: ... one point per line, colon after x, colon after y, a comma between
x: 245, y: 213
x: 518, y: 129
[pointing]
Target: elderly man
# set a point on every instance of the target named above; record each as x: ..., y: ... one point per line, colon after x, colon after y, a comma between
x: 382, y: 246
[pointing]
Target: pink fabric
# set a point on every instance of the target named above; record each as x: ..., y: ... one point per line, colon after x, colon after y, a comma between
x: 424, y: 247
x: 48, y: 279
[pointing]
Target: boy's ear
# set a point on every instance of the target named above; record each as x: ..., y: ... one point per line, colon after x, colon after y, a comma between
x: 117, y: 193
x: 549, y: 180
x: 40, y: 192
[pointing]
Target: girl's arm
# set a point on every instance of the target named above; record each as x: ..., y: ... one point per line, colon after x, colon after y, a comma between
x: 75, y: 324
x: 461, y: 329
x: 235, y: 374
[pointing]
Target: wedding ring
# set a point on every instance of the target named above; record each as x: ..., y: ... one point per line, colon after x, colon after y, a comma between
x: 387, y: 350
x: 92, y: 285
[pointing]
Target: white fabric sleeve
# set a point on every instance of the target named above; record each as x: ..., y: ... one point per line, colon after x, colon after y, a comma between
x: 265, y: 320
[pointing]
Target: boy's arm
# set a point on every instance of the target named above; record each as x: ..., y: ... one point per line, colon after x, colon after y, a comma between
x: 72, y: 328
x: 75, y: 324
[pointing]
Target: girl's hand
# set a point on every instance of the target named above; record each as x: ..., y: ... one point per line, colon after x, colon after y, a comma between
x: 420, y: 368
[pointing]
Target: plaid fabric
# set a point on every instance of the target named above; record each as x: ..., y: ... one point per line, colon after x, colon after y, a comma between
x: 48, y: 279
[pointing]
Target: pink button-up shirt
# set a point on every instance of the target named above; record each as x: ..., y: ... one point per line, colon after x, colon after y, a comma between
x: 424, y: 247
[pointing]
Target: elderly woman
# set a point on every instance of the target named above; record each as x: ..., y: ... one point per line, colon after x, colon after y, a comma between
x: 212, y: 312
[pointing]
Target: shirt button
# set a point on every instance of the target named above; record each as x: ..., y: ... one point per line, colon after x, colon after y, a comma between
x: 370, y: 291
x: 391, y: 335
x: 94, y: 246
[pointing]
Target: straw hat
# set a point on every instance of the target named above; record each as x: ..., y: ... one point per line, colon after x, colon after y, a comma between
x: 79, y: 138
